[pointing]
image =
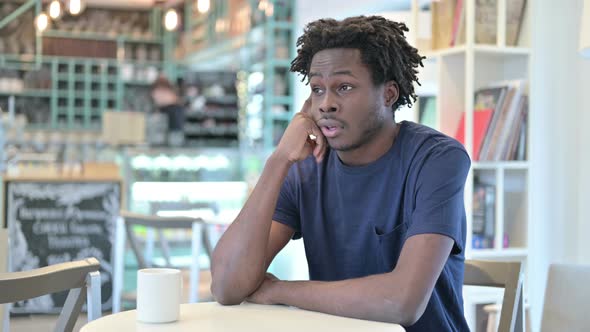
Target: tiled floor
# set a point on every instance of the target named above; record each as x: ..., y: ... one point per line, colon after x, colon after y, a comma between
x: 42, y: 323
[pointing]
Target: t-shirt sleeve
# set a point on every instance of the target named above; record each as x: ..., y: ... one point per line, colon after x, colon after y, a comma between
x: 439, y: 197
x: 287, y: 209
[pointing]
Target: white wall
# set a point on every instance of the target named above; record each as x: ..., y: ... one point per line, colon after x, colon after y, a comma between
x: 560, y: 155
x: 583, y: 85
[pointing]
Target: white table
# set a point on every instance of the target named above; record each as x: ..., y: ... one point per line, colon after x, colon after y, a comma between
x: 213, y: 317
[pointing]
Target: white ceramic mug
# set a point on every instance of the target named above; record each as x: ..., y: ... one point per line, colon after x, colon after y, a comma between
x: 158, y: 295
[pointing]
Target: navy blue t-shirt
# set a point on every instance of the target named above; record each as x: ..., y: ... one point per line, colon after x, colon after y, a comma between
x: 355, y: 220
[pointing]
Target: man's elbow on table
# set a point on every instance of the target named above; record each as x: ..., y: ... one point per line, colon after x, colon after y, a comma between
x: 402, y: 316
x: 404, y: 309
x: 410, y: 309
x: 225, y: 295
x: 228, y: 290
x: 410, y: 317
x: 224, y: 289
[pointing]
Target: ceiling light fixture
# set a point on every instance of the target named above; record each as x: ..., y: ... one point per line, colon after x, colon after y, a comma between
x: 171, y: 19
x: 203, y: 6
x: 55, y: 9
x: 42, y: 22
x: 75, y: 7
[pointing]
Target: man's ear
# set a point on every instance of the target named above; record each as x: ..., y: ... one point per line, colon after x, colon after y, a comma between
x: 390, y: 93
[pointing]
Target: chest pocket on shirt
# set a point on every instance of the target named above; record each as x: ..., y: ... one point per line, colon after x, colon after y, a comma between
x: 390, y: 245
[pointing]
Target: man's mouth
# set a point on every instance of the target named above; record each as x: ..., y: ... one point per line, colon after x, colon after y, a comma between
x: 331, y: 131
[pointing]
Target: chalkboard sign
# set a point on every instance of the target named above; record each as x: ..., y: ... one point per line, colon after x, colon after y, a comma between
x: 55, y: 222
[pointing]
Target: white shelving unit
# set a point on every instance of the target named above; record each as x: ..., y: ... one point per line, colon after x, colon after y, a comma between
x: 453, y: 75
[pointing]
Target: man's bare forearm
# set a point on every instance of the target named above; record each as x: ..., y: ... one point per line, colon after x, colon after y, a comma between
x: 374, y: 298
x: 400, y: 296
x: 238, y: 262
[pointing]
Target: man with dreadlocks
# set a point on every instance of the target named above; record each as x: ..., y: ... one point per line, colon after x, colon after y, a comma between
x: 379, y: 204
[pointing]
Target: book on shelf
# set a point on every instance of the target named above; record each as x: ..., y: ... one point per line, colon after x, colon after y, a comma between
x: 486, y: 21
x: 515, y: 10
x: 521, y: 148
x: 448, y: 22
x: 442, y: 23
x: 486, y: 102
x: 499, y: 122
x: 505, y: 134
x: 505, y: 121
x: 515, y: 131
x: 483, y: 216
x: 481, y: 120
x: 458, y: 32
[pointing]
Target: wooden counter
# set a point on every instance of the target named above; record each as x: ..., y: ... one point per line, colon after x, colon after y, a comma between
x: 89, y: 172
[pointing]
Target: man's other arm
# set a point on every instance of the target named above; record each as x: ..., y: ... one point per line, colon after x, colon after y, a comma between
x: 248, y: 246
x: 399, y: 296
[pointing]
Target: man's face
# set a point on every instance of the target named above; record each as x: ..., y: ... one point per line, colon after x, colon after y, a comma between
x: 346, y: 105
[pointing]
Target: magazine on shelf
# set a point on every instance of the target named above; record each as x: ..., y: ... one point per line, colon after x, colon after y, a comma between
x: 484, y: 216
x: 487, y: 101
x: 505, y: 123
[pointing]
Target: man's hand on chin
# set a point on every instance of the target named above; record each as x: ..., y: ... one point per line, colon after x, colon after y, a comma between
x: 266, y: 290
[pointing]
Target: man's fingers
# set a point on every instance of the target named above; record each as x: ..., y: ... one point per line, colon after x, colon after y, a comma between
x: 322, y: 150
x: 306, y: 108
x: 319, y: 152
x: 320, y: 142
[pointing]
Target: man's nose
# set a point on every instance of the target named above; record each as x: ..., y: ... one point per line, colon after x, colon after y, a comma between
x: 328, y: 104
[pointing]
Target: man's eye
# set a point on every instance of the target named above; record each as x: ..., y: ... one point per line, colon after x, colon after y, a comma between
x: 345, y: 87
x: 316, y: 90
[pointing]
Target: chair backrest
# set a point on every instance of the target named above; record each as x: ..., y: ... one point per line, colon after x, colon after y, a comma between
x: 507, y: 275
x: 124, y: 230
x: 158, y: 223
x: 158, y: 206
x: 207, y: 210
x: 81, y: 278
x: 566, y: 298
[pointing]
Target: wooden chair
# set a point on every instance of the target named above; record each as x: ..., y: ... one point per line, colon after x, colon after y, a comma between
x: 507, y: 275
x: 566, y: 296
x: 81, y: 278
x: 124, y: 231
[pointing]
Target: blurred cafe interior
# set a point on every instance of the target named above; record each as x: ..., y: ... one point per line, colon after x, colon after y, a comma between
x: 113, y: 111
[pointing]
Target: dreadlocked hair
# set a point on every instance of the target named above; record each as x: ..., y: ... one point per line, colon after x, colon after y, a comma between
x: 383, y: 46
